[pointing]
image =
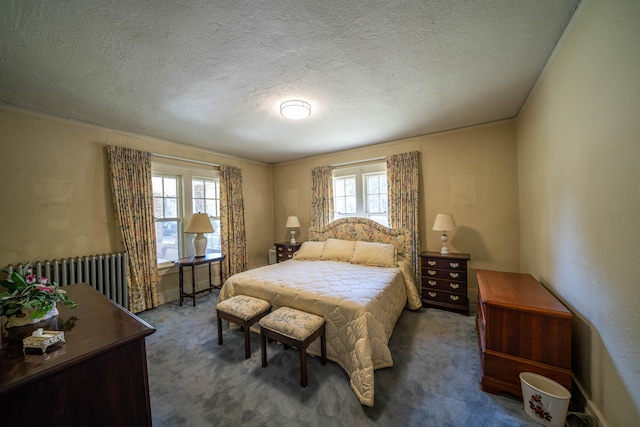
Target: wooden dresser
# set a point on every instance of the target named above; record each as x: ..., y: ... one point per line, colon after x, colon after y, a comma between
x: 521, y: 327
x: 98, y: 377
x: 444, y: 281
x: 285, y: 250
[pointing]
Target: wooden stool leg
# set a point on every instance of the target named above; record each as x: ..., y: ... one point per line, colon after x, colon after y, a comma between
x: 303, y: 367
x: 263, y: 348
x: 219, y: 330
x: 323, y: 347
x: 247, y: 341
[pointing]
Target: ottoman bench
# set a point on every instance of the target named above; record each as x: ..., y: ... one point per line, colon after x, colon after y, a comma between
x: 242, y: 310
x: 295, y: 328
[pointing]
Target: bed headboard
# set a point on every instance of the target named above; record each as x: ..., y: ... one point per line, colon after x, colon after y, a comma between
x: 364, y: 229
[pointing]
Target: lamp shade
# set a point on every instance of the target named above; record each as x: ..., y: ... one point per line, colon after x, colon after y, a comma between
x: 444, y: 222
x: 199, y: 223
x: 292, y: 222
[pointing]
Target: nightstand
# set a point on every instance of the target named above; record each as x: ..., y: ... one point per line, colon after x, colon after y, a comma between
x: 444, y: 281
x: 285, y: 250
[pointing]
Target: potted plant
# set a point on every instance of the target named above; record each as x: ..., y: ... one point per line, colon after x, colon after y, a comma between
x: 29, y: 299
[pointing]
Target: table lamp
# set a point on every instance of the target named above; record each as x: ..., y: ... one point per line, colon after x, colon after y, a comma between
x: 199, y: 224
x: 444, y: 222
x: 292, y: 222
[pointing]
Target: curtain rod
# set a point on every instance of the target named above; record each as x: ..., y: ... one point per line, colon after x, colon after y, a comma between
x: 185, y: 160
x: 355, y: 162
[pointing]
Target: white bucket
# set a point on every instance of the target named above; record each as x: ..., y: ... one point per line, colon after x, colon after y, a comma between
x: 545, y: 400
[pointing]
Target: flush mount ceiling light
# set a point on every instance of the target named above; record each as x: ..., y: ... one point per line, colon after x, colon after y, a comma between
x: 295, y: 109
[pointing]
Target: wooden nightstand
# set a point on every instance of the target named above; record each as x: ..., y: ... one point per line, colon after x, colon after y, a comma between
x: 444, y: 281
x: 285, y: 250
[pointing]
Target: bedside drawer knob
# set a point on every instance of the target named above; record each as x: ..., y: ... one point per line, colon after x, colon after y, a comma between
x: 431, y: 272
x: 432, y: 282
x: 454, y: 285
x: 454, y: 264
x: 289, y: 249
x: 454, y: 297
x: 432, y: 294
x: 431, y: 263
x: 454, y: 275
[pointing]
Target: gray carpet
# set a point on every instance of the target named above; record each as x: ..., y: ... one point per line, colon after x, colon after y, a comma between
x: 434, y: 380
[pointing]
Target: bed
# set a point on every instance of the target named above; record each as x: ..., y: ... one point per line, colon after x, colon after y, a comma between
x: 356, y: 274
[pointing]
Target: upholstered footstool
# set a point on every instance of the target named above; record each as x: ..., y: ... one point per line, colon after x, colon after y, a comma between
x: 242, y: 310
x: 295, y: 328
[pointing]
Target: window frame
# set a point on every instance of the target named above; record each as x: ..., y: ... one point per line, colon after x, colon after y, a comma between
x: 360, y: 172
x: 186, y: 173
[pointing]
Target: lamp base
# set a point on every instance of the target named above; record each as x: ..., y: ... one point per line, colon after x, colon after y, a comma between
x: 444, y: 250
x: 200, y: 245
x: 293, y: 237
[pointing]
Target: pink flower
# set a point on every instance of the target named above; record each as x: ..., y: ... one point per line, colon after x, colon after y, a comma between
x: 30, y: 269
x: 44, y: 288
x: 43, y: 280
x: 30, y: 278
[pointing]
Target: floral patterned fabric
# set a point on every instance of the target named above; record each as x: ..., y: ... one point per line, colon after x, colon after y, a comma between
x: 292, y: 323
x: 233, y: 235
x: 403, y: 182
x: 243, y: 306
x: 321, y: 196
x: 133, y: 202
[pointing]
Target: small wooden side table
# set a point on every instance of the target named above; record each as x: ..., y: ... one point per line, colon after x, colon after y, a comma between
x: 285, y: 250
x: 192, y: 261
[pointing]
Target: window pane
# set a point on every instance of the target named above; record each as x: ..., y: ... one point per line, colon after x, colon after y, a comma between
x: 211, y: 207
x: 170, y: 208
x: 210, y: 188
x: 350, y: 187
x: 158, y: 212
x: 156, y: 184
x: 372, y: 185
x: 351, y: 205
x: 374, y: 204
x: 167, y: 240
x: 198, y: 205
x: 338, y: 188
x: 170, y: 187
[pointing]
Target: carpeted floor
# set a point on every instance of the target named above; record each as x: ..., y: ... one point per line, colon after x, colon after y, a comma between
x: 434, y: 380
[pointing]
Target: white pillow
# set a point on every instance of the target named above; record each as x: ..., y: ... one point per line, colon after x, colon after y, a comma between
x: 338, y: 250
x: 309, y: 251
x: 376, y: 254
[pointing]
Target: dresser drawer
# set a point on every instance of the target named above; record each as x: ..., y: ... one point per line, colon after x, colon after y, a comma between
x: 444, y: 296
x: 283, y: 256
x: 444, y: 274
x: 444, y: 285
x: 445, y: 264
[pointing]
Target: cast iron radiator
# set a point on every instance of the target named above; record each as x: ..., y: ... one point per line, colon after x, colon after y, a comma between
x: 107, y: 273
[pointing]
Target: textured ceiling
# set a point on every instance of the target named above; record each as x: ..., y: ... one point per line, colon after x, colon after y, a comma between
x: 212, y: 74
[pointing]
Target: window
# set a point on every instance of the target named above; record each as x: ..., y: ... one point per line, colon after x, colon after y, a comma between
x: 178, y: 192
x: 361, y: 191
x: 206, y: 198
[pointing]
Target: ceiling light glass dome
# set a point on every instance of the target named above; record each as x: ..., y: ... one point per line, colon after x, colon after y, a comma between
x: 295, y: 109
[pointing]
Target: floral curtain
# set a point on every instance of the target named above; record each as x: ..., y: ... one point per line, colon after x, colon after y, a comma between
x: 133, y: 202
x: 321, y: 196
x: 403, y: 182
x: 232, y: 229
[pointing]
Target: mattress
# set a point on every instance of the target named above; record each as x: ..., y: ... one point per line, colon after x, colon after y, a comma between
x: 359, y: 303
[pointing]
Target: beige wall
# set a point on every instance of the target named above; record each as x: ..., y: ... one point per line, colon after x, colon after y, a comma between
x: 56, y: 195
x: 579, y: 144
x: 471, y: 173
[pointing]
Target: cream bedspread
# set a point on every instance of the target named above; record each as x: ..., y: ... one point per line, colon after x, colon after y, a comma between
x: 360, y: 304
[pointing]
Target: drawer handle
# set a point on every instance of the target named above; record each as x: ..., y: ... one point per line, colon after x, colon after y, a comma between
x: 432, y: 282
x: 289, y: 249
x: 454, y: 285
x: 454, y: 264
x: 454, y: 275
x: 289, y: 256
x: 431, y: 263
x: 432, y: 294
x: 454, y: 297
x: 431, y: 272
